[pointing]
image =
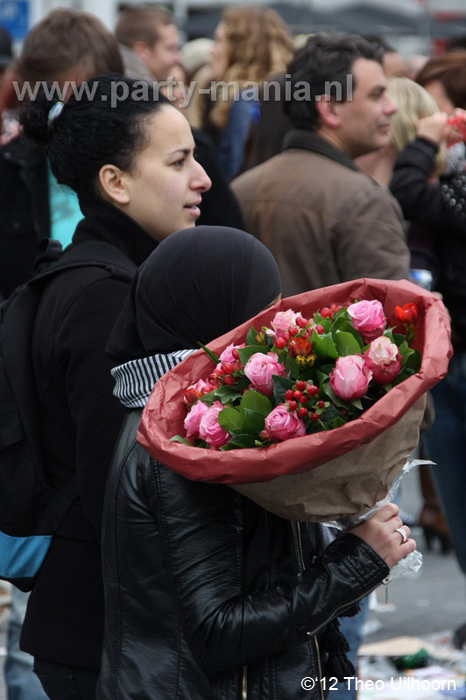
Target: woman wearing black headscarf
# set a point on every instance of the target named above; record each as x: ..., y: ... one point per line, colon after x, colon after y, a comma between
x: 208, y: 596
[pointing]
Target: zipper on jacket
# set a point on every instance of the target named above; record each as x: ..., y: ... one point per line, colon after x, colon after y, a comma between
x: 319, y: 667
x: 244, y: 684
x: 342, y: 607
x: 300, y: 546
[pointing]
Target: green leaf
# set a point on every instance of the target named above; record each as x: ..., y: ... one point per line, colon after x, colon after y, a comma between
x: 230, y: 419
x: 245, y: 353
x: 414, y: 361
x: 227, y: 394
x: 253, y: 422
x: 178, y: 438
x: 337, y: 422
x: 251, y: 336
x: 343, y: 323
x: 241, y: 441
x: 255, y: 401
x: 324, y: 347
x: 292, y: 367
x: 357, y: 404
x: 280, y: 386
x: 346, y: 344
x: 215, y: 358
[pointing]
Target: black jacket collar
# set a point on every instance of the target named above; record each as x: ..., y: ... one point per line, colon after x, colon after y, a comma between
x: 310, y: 141
x: 105, y: 222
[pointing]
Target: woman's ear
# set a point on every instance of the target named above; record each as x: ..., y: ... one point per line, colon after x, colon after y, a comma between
x: 112, y: 180
x: 327, y: 109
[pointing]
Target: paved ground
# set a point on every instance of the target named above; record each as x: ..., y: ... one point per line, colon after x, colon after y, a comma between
x: 431, y: 602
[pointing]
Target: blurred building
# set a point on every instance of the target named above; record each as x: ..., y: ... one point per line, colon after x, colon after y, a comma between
x: 411, y: 25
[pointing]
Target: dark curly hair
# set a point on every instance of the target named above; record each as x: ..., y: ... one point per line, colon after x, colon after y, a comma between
x: 102, y: 122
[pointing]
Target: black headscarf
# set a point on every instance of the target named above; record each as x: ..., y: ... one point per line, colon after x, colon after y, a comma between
x: 198, y: 284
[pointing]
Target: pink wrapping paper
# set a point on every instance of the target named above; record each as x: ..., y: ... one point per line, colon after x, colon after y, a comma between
x: 165, y: 411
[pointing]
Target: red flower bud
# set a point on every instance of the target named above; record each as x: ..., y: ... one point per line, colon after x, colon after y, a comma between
x: 299, y: 347
x: 235, y: 353
x: 408, y: 313
x: 228, y: 379
x: 303, y: 412
x: 263, y: 435
x: 293, y: 331
x: 319, y: 329
x: 280, y: 343
x: 325, y: 312
x: 301, y: 322
x: 227, y: 367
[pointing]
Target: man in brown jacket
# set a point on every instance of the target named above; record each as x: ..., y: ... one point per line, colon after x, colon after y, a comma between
x: 324, y: 220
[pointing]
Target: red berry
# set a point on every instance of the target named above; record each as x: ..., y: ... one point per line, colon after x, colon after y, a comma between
x: 312, y: 390
x: 303, y: 412
x: 235, y: 353
x: 304, y: 399
x: 314, y: 416
x: 319, y: 329
x: 280, y: 343
x: 289, y: 395
x: 228, y: 379
x: 292, y: 405
x: 292, y: 330
x: 297, y: 395
x: 301, y: 322
x: 300, y: 385
x: 263, y: 435
x: 321, y: 404
x: 325, y: 312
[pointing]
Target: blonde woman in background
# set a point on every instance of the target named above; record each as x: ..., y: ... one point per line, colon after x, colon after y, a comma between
x: 414, y: 103
x: 250, y: 44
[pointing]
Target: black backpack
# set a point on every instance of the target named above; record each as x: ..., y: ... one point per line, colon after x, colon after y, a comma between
x: 30, y: 510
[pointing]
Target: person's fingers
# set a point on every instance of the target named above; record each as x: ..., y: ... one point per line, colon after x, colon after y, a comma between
x: 386, y: 513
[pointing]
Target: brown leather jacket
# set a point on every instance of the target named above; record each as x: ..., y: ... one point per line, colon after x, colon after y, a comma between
x: 324, y: 220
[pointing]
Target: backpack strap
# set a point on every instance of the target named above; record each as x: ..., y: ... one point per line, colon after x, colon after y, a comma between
x: 87, y: 254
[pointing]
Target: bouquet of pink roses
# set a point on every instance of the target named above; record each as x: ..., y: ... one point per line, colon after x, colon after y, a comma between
x: 322, y: 395
x: 300, y: 376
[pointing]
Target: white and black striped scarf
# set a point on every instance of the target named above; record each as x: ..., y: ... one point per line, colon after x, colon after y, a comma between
x: 134, y: 380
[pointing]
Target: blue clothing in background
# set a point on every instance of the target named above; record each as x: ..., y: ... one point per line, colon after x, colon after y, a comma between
x: 233, y: 138
x: 64, y: 210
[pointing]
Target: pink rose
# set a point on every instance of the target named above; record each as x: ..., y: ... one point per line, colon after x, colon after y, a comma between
x: 384, y: 359
x: 209, y: 428
x: 227, y: 354
x: 368, y: 319
x: 260, y: 368
x: 350, y: 378
x: 282, y: 424
x: 193, y: 419
x: 282, y: 321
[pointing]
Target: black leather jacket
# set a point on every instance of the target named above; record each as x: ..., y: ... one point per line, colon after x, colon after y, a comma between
x: 210, y: 597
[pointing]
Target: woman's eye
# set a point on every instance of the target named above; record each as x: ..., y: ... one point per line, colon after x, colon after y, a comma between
x: 179, y: 163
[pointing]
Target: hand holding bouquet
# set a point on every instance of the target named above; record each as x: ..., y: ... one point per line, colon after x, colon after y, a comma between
x: 355, y: 372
